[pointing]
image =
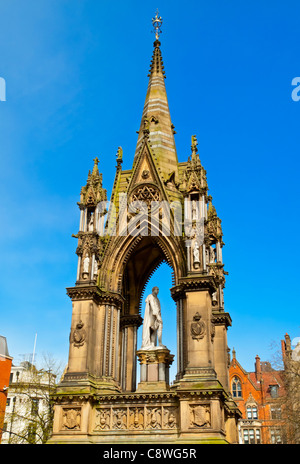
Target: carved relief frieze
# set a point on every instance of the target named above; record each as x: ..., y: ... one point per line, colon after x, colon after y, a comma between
x: 136, y: 418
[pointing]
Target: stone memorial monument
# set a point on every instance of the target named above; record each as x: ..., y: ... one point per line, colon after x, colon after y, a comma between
x: 99, y: 399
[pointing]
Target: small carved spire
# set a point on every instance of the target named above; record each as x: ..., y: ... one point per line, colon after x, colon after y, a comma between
x: 95, y: 168
x: 93, y: 192
x: 195, y: 156
x: 119, y: 156
x: 233, y: 354
x: 156, y: 66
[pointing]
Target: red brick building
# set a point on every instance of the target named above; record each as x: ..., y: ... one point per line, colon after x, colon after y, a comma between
x: 5, y: 368
x: 258, y: 395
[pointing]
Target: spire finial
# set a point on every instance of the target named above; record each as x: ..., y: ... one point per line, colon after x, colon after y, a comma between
x: 157, y: 22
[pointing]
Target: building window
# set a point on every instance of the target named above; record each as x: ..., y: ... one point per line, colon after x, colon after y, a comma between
x: 274, y: 391
x: 276, y: 436
x: 34, y: 406
x: 257, y: 435
x: 251, y: 436
x: 236, y: 388
x: 275, y: 412
x: 252, y: 412
x: 8, y: 402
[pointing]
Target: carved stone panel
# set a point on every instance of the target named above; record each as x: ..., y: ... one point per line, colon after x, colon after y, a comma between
x: 136, y: 418
x: 170, y: 417
x: 119, y: 418
x: 71, y: 418
x: 79, y: 335
x: 198, y: 327
x: 154, y: 418
x: 199, y: 415
x: 102, y: 419
x: 146, y: 194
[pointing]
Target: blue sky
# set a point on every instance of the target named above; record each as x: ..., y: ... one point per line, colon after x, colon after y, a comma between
x: 76, y: 79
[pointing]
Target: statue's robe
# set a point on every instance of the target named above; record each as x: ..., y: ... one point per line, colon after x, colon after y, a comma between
x: 152, y: 321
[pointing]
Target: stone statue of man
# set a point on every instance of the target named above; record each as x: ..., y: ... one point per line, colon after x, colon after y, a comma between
x: 86, y: 263
x: 152, y: 326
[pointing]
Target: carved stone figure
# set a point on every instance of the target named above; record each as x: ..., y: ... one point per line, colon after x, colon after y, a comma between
x: 152, y: 326
x: 214, y: 299
x: 91, y: 223
x: 196, y: 253
x: 86, y: 263
x: 194, y: 210
x: 207, y: 256
x: 95, y: 269
x: 212, y: 255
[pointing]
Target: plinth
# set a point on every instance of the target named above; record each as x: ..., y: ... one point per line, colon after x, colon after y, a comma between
x: 154, y: 369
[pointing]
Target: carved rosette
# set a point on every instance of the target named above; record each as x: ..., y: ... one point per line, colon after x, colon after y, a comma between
x: 145, y: 193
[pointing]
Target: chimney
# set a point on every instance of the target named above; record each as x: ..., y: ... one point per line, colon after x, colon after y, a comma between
x: 286, y: 347
x: 257, y: 368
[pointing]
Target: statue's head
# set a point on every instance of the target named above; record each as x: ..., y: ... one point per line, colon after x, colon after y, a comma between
x: 155, y: 290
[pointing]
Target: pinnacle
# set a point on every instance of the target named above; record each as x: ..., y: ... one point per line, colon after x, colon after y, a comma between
x: 156, y: 66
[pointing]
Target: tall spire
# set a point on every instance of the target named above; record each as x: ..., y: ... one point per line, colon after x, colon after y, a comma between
x: 156, y: 123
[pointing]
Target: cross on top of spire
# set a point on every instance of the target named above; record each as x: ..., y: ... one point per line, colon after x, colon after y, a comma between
x: 157, y: 22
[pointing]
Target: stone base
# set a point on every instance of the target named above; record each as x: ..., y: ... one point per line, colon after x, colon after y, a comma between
x: 154, y: 368
x: 153, y: 386
x: 149, y: 417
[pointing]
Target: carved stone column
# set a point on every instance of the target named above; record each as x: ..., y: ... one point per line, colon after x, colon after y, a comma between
x: 221, y: 321
x: 195, y: 330
x: 95, y: 329
x: 129, y: 324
